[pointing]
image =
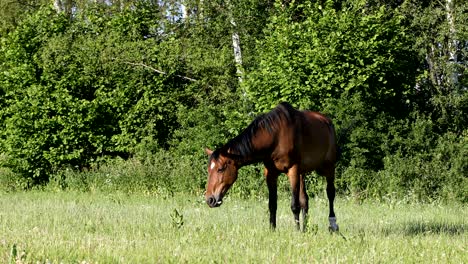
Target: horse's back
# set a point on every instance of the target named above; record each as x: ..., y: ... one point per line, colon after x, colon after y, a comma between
x: 317, y: 141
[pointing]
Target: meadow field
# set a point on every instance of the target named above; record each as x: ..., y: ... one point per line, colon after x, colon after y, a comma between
x: 77, y: 227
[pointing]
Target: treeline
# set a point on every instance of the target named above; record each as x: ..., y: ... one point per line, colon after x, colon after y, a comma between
x: 124, y: 95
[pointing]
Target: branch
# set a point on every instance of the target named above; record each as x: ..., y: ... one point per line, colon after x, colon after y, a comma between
x: 158, y: 71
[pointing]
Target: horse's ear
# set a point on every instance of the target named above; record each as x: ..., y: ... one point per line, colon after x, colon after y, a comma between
x: 208, y: 151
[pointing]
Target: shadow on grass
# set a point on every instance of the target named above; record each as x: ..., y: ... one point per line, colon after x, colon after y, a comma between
x: 426, y: 228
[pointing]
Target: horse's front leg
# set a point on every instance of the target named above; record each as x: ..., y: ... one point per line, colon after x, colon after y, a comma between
x: 294, y: 181
x: 272, y: 182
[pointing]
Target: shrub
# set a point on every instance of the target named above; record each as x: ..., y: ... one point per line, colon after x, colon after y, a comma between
x: 330, y: 49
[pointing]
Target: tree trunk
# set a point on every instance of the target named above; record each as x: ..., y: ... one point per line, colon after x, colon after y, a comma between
x: 64, y: 6
x: 58, y: 6
x: 452, y: 45
x: 237, y: 51
x: 236, y: 45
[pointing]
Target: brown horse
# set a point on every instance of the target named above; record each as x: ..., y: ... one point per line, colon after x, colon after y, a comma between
x: 286, y: 141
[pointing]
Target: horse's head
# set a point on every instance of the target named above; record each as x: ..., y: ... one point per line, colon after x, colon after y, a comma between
x: 222, y: 173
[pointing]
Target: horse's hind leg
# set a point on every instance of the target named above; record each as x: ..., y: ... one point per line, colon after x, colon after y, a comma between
x: 329, y: 173
x: 304, y: 202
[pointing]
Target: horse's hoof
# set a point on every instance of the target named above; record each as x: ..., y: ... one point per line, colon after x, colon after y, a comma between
x: 335, y: 228
x: 333, y: 225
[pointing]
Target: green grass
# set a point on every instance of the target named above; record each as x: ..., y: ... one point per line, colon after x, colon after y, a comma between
x: 70, y: 227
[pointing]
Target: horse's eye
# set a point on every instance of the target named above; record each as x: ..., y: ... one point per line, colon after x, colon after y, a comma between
x: 222, y: 168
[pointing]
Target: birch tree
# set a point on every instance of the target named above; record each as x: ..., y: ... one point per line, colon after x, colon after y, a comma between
x: 452, y: 46
x: 67, y: 6
x: 236, y: 46
x: 440, y: 26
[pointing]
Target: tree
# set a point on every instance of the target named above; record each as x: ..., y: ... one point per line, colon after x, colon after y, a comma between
x: 329, y: 51
x: 107, y: 82
x: 439, y: 38
x: 13, y: 11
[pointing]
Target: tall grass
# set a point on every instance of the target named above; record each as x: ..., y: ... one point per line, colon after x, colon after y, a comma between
x: 72, y: 227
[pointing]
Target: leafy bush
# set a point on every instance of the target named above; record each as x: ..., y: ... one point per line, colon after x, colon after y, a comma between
x: 160, y: 174
x: 437, y: 173
x: 77, y: 93
x: 326, y: 51
x: 100, y: 85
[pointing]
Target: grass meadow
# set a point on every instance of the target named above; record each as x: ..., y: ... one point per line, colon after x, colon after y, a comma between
x: 77, y: 227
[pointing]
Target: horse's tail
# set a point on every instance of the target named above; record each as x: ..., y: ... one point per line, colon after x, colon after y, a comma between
x: 339, y: 152
x: 338, y: 149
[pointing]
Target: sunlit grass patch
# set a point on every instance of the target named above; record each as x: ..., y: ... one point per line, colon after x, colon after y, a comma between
x: 73, y: 227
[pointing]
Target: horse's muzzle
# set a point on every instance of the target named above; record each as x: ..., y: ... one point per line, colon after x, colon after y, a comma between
x: 212, y: 201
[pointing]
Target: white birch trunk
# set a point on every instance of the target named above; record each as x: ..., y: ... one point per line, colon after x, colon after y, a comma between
x: 452, y: 44
x: 58, y: 6
x: 122, y: 5
x: 236, y: 45
x: 185, y: 12
x: 237, y: 51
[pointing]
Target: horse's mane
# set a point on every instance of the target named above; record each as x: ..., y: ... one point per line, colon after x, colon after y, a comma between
x: 241, y: 145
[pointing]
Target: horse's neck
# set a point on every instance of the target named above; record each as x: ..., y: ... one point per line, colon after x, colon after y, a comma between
x: 260, y: 148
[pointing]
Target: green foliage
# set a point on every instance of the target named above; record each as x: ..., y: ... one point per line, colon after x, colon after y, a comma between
x: 125, y: 97
x: 10, y: 182
x: 13, y: 12
x: 177, y: 219
x: 387, y: 157
x: 327, y: 51
x: 28, y: 104
x: 162, y: 174
x: 437, y: 171
x: 441, y: 46
x: 100, y: 85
